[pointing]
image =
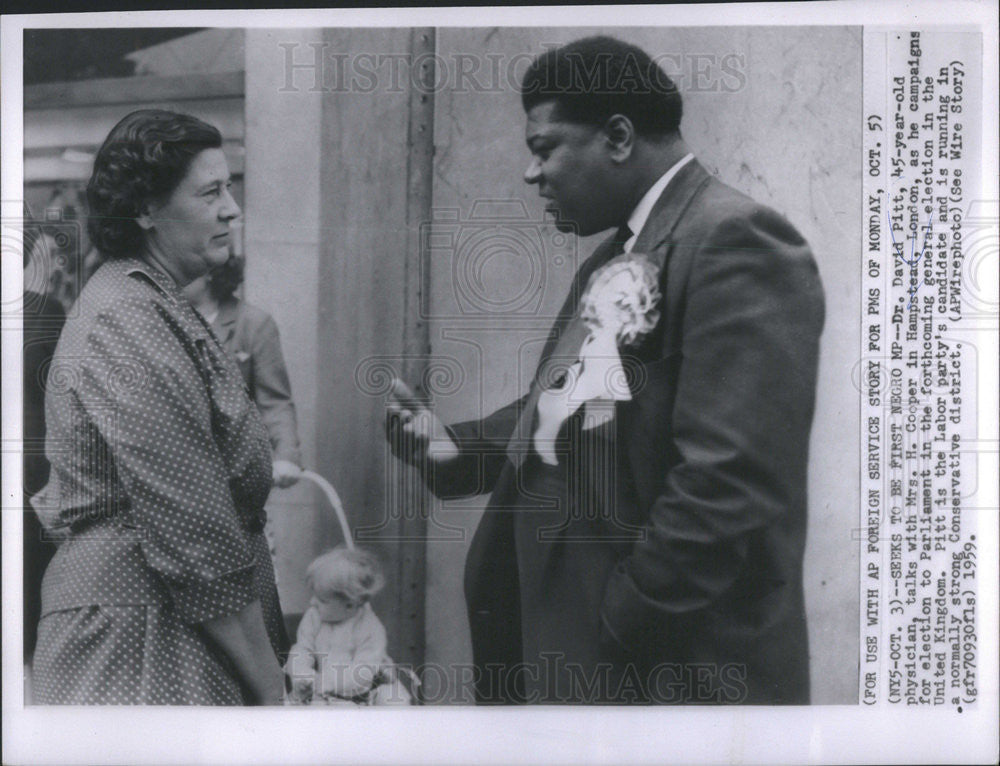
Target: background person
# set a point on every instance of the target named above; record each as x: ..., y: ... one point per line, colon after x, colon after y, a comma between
x: 251, y: 337
x: 162, y: 591
x: 43, y: 320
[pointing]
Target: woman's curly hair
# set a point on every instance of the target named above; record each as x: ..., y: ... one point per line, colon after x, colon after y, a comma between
x: 144, y: 158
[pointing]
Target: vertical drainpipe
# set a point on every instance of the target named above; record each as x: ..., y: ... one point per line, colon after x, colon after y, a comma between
x: 412, y: 533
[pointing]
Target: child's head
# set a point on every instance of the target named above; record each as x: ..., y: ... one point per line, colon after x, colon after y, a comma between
x: 342, y: 580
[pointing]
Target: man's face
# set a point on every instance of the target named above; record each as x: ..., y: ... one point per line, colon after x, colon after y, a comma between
x: 571, y: 165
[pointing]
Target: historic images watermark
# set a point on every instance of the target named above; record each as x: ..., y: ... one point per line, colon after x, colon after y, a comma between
x: 318, y: 67
x: 565, y: 682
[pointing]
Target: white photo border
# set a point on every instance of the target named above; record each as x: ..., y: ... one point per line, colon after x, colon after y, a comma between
x: 817, y: 734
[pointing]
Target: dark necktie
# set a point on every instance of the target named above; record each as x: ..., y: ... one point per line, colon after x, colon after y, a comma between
x: 622, y: 235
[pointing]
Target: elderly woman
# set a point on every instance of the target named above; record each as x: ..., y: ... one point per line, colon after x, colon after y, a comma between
x: 162, y: 590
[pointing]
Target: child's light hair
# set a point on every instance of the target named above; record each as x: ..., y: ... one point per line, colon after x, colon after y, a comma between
x: 355, y: 573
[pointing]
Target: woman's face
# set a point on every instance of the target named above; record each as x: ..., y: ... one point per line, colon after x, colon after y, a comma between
x: 188, y: 233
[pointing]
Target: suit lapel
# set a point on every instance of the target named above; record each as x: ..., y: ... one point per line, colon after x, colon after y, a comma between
x: 570, y: 331
x: 563, y: 347
x: 655, y: 240
x: 560, y: 352
x: 667, y: 212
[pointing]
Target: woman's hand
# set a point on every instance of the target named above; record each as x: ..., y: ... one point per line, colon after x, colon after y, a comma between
x: 270, y: 688
x: 243, y: 637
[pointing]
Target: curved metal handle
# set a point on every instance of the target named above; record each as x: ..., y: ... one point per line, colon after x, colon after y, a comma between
x: 334, y: 500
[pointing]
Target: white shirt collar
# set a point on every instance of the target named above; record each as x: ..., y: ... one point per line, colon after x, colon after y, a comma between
x: 641, y: 213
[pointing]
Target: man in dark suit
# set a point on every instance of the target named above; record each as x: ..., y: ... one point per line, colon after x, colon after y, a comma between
x: 655, y: 554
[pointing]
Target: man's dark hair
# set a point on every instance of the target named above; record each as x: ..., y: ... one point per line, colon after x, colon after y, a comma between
x: 596, y: 77
x: 144, y: 158
x: 224, y: 280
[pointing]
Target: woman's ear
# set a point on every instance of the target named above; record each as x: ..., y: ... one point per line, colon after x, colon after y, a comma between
x: 619, y: 134
x: 145, y: 217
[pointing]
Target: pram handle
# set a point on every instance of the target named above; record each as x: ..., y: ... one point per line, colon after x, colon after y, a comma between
x: 334, y: 500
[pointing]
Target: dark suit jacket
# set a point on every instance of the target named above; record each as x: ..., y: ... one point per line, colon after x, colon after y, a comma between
x: 676, y: 576
x: 250, y: 336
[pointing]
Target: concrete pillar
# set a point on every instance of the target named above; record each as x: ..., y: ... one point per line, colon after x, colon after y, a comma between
x: 364, y: 250
x: 283, y: 242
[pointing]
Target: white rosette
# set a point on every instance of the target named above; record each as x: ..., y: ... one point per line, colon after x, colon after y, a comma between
x: 622, y: 299
x: 618, y: 307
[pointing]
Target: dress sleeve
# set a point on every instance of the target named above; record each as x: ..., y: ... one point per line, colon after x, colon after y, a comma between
x: 140, y: 385
x: 273, y: 392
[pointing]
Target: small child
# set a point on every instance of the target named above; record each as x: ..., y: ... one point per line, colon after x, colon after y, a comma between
x: 339, y: 656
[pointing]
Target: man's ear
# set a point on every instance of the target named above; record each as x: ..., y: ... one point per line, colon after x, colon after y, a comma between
x: 619, y: 133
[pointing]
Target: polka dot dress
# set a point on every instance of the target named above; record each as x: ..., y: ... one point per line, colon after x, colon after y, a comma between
x: 160, y: 470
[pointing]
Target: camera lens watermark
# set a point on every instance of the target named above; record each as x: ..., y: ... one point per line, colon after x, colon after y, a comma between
x: 502, y: 262
x: 49, y: 250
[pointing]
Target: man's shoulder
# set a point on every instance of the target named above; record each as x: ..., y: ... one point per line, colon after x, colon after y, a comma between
x: 716, y: 202
x: 721, y: 212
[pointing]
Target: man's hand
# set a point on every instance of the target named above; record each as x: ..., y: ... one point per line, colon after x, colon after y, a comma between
x: 416, y: 435
x: 285, y: 473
